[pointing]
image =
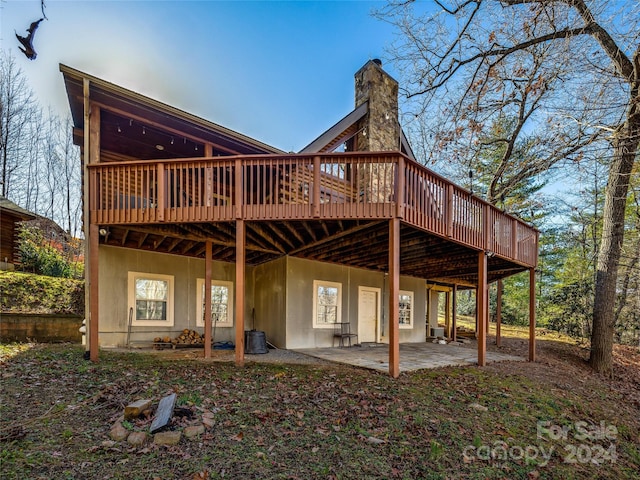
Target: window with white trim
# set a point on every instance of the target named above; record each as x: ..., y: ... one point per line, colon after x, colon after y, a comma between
x: 150, y: 296
x: 221, y: 303
x: 405, y: 308
x: 327, y: 303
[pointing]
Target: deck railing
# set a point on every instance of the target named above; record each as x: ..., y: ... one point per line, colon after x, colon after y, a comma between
x: 358, y: 185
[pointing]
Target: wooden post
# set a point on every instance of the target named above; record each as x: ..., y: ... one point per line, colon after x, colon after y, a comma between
x: 208, y: 261
x: 94, y: 239
x: 399, y: 193
x: 447, y: 314
x: 85, y: 212
x: 238, y: 188
x: 91, y: 154
x: 454, y: 308
x: 514, y: 239
x: 316, y: 186
x: 498, y: 312
x: 532, y: 315
x: 394, y: 291
x: 162, y: 186
x: 240, y: 281
x: 488, y: 316
x: 476, y: 313
x: 485, y: 226
x: 449, y: 212
x: 482, y: 308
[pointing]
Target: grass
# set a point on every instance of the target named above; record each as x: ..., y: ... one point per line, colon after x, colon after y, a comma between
x: 306, y: 421
x: 30, y: 293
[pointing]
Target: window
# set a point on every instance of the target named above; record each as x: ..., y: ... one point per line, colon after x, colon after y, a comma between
x: 221, y: 303
x: 405, y: 303
x: 327, y: 304
x: 151, y: 297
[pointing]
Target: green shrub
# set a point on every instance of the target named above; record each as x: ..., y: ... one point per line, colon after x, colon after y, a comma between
x: 39, y: 256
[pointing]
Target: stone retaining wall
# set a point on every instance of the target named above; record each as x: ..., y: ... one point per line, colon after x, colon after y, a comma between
x: 15, y: 327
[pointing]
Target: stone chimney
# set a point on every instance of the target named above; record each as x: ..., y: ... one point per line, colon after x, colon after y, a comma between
x: 379, y: 129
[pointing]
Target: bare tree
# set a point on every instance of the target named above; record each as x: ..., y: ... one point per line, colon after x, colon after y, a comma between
x: 18, y: 111
x: 627, y: 313
x: 588, y: 56
x: 39, y: 165
x: 67, y: 166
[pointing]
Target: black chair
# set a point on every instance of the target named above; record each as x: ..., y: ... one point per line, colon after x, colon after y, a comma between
x: 342, y: 331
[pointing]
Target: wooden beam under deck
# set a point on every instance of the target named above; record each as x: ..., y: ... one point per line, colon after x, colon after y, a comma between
x: 454, y: 308
x: 240, y: 291
x: 482, y: 307
x: 394, y: 291
x: 532, y: 315
x: 208, y: 267
x: 498, y: 312
x: 94, y: 304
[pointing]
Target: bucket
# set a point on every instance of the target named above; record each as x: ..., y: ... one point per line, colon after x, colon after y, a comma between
x: 255, y: 341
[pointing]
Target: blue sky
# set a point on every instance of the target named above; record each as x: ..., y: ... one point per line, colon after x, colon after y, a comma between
x: 281, y: 72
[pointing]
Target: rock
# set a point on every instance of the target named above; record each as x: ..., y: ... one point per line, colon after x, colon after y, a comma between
x: 193, y: 431
x: 118, y: 432
x: 167, y: 438
x: 375, y: 441
x: 478, y: 407
x: 137, y: 438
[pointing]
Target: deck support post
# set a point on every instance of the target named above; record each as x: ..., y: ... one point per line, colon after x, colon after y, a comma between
x: 475, y: 314
x: 454, y: 308
x: 532, y: 315
x: 94, y: 236
x: 208, y: 261
x: 482, y: 305
x: 394, y: 291
x: 240, y: 284
x: 498, y: 312
x: 91, y: 154
x: 447, y: 314
x: 488, y: 318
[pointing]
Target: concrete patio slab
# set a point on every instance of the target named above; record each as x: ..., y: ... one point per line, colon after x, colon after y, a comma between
x: 413, y: 356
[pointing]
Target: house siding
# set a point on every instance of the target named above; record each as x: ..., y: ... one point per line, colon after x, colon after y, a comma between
x: 299, y: 306
x: 270, y: 301
x: 115, y: 263
x: 278, y: 298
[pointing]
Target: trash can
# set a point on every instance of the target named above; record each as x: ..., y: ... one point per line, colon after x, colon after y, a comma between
x: 255, y: 341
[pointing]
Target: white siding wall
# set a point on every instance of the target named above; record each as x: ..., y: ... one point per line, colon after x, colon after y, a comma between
x: 114, y: 265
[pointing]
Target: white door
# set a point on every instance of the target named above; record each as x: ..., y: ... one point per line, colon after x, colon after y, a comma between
x: 368, y: 314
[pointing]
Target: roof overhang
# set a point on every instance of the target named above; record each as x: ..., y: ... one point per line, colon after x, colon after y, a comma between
x: 130, y: 104
x: 8, y: 207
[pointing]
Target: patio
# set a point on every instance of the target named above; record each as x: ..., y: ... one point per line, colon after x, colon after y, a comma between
x: 413, y: 356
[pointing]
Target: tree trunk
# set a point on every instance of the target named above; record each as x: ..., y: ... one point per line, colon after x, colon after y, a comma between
x: 624, y: 153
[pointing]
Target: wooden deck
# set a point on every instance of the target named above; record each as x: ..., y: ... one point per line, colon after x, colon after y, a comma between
x: 344, y: 186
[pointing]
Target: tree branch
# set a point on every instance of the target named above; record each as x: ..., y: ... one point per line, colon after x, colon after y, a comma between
x: 621, y: 61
